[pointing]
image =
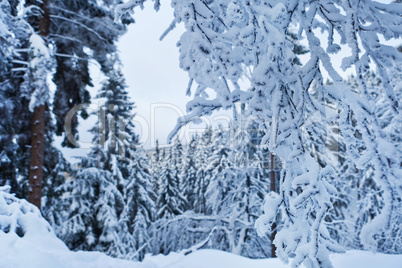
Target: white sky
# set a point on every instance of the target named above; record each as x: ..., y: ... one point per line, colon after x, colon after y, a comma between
x: 151, y: 67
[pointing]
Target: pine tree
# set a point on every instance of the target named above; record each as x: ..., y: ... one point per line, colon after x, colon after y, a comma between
x: 169, y: 197
x: 93, y: 203
x: 8, y: 146
x: 140, y: 207
x: 190, y: 173
x: 156, y: 162
x: 203, y: 151
x: 236, y: 192
x: 117, y: 202
x: 220, y: 172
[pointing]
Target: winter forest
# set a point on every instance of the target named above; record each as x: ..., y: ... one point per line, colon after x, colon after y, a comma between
x: 310, y: 166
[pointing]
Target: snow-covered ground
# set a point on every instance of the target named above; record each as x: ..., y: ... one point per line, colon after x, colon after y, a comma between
x: 27, y: 240
x: 42, y: 252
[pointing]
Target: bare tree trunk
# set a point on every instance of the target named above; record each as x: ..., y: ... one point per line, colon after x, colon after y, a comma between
x: 37, y: 155
x: 273, y: 189
x: 38, y: 131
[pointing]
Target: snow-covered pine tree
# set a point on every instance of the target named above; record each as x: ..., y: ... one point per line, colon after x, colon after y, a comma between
x: 202, y: 153
x: 177, y: 162
x: 220, y: 173
x: 156, y: 162
x: 111, y: 197
x: 169, y: 198
x: 223, y: 37
x: 222, y: 179
x: 140, y: 208
x: 169, y: 203
x: 252, y: 184
x: 236, y: 191
x: 90, y: 205
x: 8, y: 44
x: 190, y: 173
x: 131, y: 169
x: 93, y: 202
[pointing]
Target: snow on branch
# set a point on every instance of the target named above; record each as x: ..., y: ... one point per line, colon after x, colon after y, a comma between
x: 226, y: 41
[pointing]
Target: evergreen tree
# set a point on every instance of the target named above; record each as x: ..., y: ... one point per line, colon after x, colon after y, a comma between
x: 177, y: 165
x: 169, y: 197
x: 140, y: 208
x: 81, y: 31
x: 117, y: 202
x: 220, y: 178
x: 236, y: 192
x: 8, y: 44
x: 203, y: 151
x: 156, y: 162
x: 190, y: 173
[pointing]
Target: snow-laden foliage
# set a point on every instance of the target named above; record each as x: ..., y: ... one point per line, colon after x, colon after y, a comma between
x: 202, y: 153
x: 190, y: 173
x: 110, y: 202
x: 140, y: 209
x: 40, y: 65
x: 8, y: 43
x: 224, y: 38
x: 8, y: 40
x: 236, y: 191
x: 170, y: 200
x: 80, y: 31
x: 359, y: 191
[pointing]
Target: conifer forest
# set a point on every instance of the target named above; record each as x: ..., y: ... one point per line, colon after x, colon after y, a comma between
x: 309, y: 166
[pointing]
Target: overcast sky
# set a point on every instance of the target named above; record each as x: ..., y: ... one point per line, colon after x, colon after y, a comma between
x: 151, y: 67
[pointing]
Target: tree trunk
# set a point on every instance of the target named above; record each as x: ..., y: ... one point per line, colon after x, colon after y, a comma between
x: 273, y: 189
x: 37, y: 155
x: 38, y: 131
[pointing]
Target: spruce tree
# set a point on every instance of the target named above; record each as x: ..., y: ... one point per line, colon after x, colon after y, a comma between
x: 202, y: 154
x: 8, y: 44
x: 116, y: 204
x: 169, y: 197
x: 190, y: 173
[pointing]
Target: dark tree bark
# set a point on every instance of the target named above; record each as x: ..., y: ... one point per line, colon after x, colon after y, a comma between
x: 37, y: 155
x: 38, y: 131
